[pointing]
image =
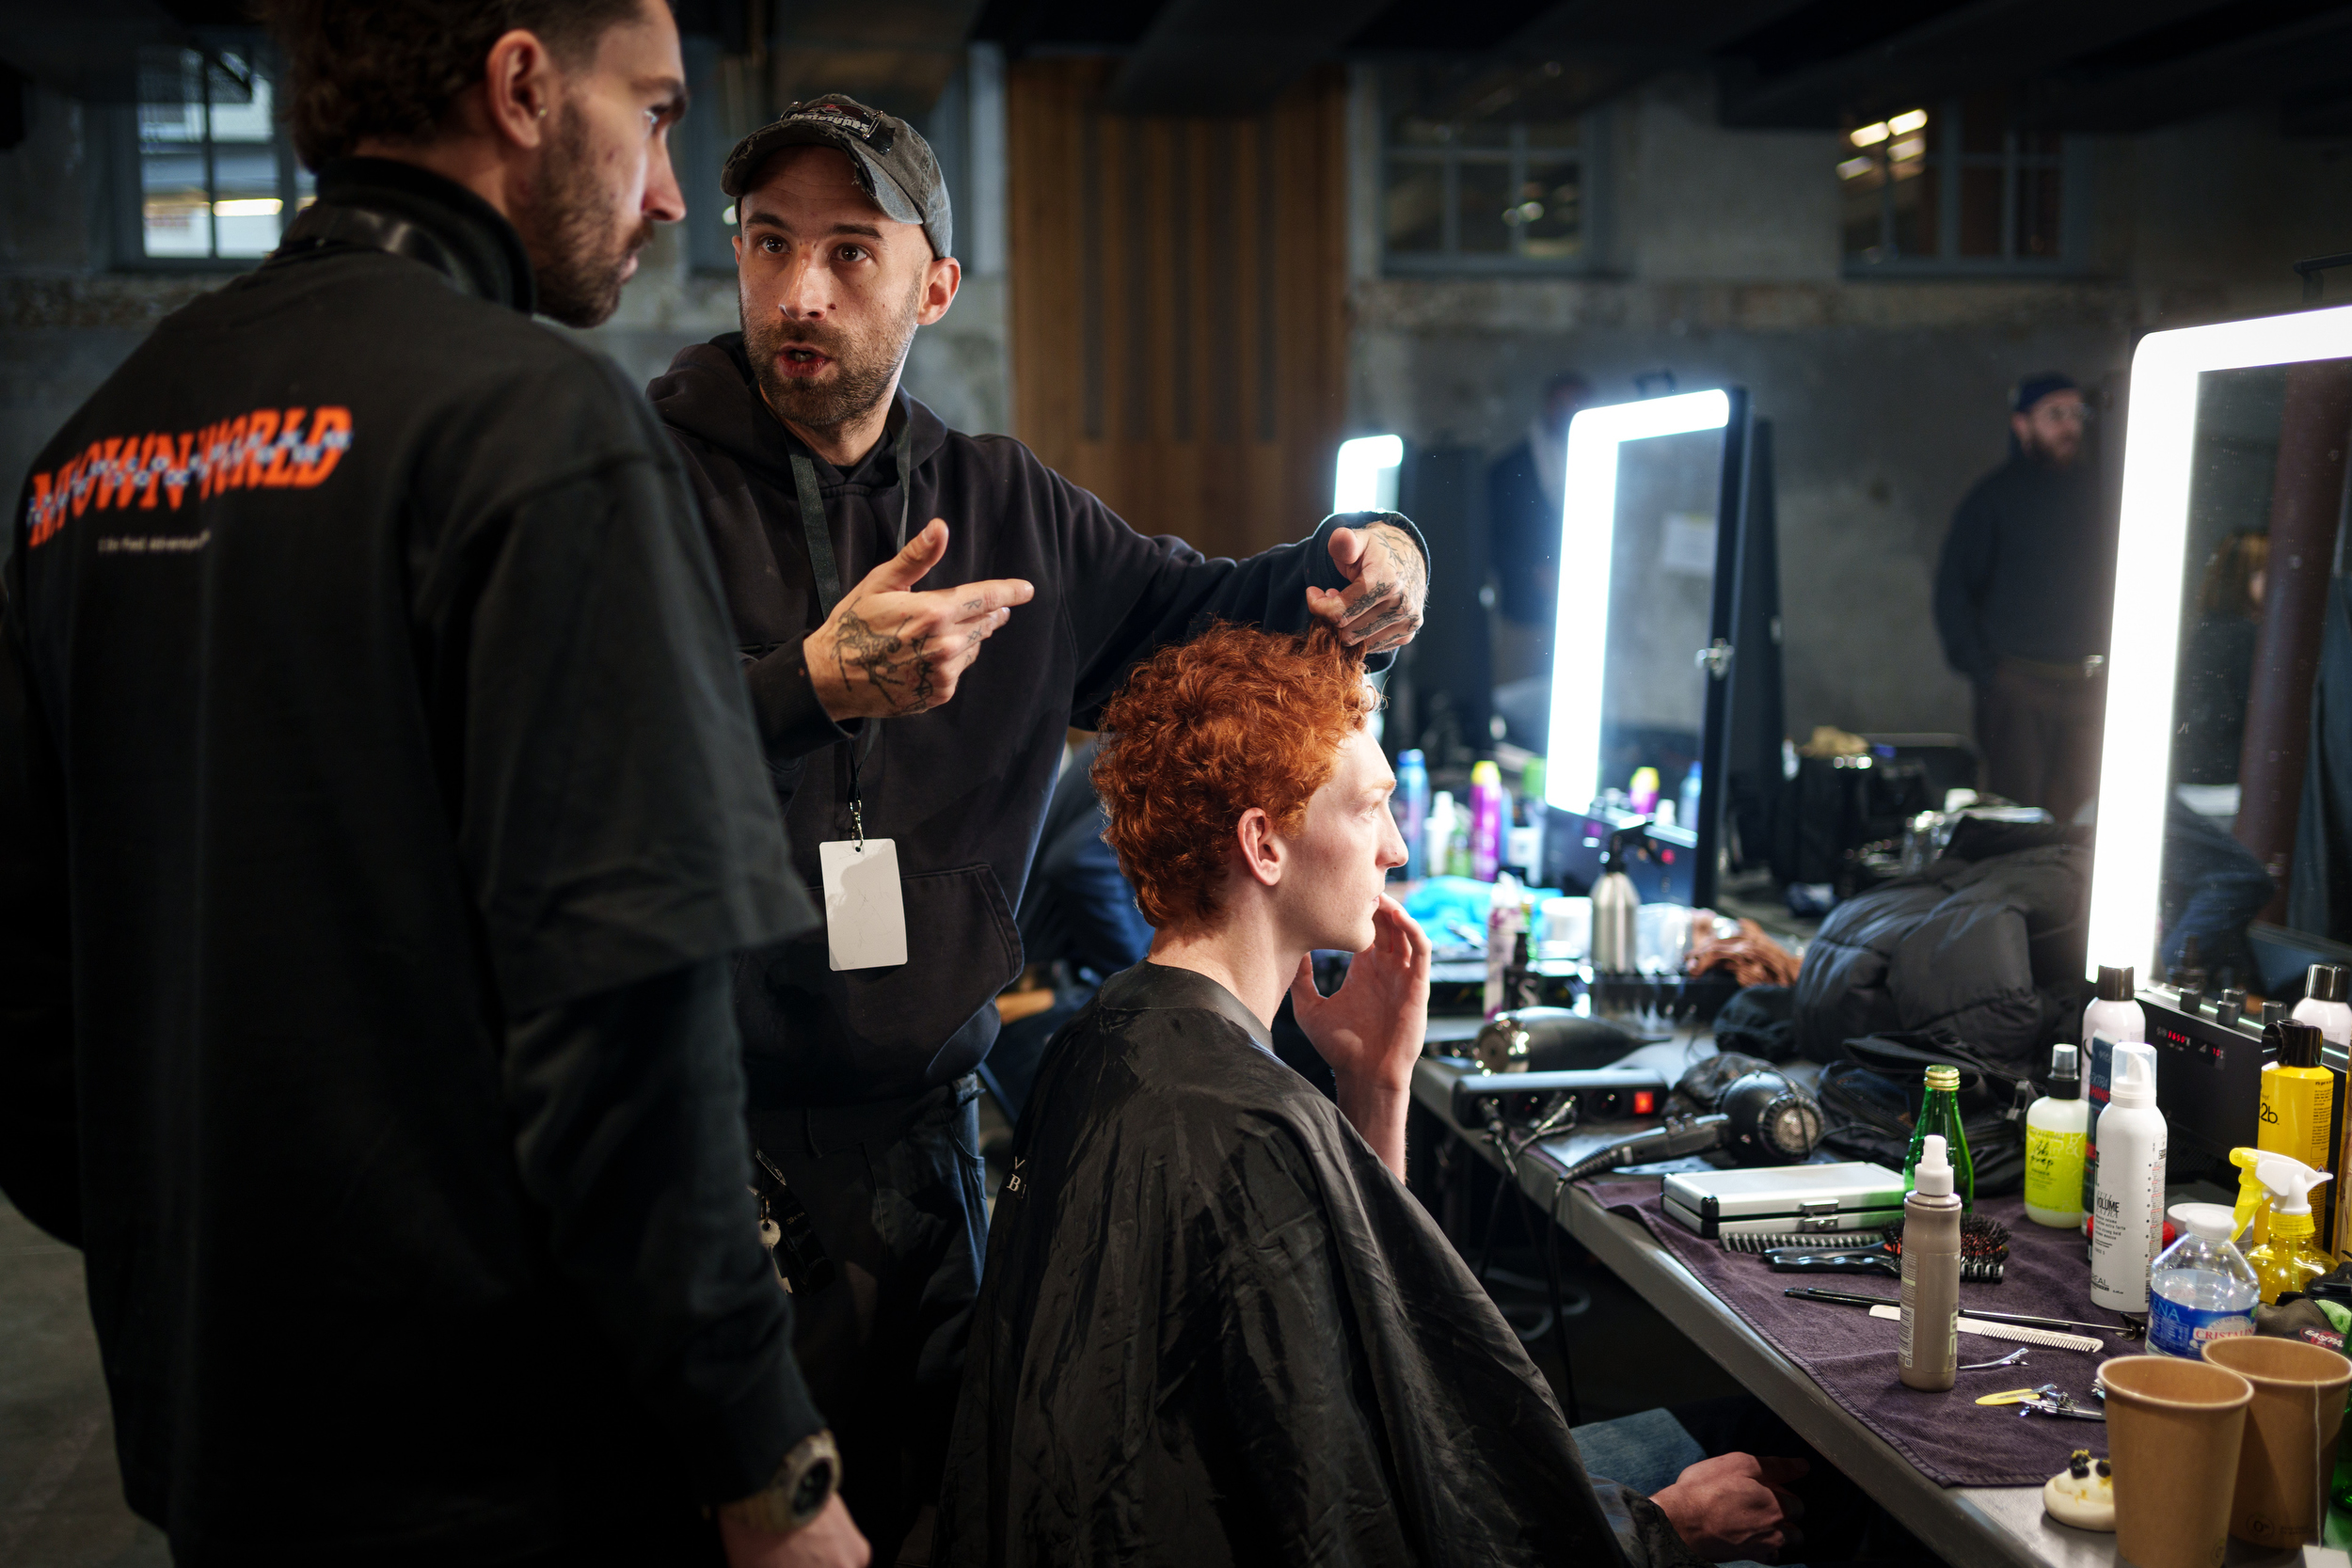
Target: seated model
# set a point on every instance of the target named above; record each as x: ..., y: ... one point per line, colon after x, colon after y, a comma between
x: 1215, y: 1326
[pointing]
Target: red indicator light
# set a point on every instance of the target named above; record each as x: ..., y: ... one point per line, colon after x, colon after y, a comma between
x: 1666, y: 855
x: 1644, y: 1102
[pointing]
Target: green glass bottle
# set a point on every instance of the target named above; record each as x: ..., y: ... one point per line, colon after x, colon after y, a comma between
x: 1940, y: 1115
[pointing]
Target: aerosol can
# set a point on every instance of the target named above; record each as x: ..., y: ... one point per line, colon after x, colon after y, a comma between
x: 1614, y: 906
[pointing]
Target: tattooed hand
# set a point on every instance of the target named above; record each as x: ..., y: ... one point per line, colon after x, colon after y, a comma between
x: 1388, y: 586
x: 886, y: 651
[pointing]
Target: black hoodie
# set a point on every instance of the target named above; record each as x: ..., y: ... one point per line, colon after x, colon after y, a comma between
x: 961, y: 789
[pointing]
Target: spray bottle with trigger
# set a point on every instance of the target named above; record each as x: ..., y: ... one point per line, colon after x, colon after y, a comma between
x: 1616, y: 905
x: 2290, y: 1260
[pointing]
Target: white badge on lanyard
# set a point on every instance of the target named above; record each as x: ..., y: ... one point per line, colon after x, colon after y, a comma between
x: 866, y: 914
x: 865, y: 911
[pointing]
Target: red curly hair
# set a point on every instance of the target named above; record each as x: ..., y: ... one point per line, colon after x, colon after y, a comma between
x: 1205, y: 730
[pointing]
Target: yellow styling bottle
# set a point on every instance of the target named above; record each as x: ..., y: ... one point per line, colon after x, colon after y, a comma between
x: 2290, y: 1260
x: 2298, y: 1100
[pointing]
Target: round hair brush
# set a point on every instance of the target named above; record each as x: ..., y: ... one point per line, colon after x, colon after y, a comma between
x: 1981, y: 1241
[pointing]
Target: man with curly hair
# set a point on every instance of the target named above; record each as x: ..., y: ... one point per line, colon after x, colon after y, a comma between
x: 1215, y: 1328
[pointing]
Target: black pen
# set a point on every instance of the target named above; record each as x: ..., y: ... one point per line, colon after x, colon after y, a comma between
x: 2116, y: 1331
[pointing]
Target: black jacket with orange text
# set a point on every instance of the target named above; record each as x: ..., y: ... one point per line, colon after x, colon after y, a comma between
x: 379, y: 812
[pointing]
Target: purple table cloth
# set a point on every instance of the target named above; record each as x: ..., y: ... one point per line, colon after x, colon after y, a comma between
x: 1953, y: 1440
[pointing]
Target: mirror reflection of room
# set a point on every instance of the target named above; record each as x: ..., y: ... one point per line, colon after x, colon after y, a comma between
x: 2247, y: 825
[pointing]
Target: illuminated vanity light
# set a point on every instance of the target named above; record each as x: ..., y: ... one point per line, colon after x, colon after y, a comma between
x: 247, y: 207
x: 1365, y: 477
x: 2151, y: 569
x: 1588, y: 522
x: 1868, y: 136
x: 1908, y: 122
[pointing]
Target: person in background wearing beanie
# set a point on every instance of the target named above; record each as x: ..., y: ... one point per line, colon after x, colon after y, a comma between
x: 921, y: 615
x: 2023, y: 596
x: 380, y: 816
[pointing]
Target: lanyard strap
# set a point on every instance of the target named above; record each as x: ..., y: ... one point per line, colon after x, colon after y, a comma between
x: 816, y: 530
x: 816, y: 535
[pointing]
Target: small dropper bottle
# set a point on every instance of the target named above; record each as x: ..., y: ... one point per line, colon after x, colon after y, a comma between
x: 1928, y: 1356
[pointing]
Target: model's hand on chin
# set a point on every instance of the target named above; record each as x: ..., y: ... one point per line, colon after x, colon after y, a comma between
x: 1371, y: 1028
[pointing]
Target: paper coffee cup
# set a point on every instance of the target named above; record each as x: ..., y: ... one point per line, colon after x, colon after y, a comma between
x: 2173, y: 1433
x: 2289, y: 1451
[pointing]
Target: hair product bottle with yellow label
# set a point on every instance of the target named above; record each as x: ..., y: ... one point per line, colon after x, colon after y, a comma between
x: 2057, y: 1128
x: 2299, y: 1098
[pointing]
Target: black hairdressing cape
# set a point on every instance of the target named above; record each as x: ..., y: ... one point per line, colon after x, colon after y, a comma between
x: 1215, y: 1329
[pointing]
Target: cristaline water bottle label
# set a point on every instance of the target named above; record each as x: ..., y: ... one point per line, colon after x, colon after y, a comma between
x: 2054, y: 1169
x: 2178, y: 1329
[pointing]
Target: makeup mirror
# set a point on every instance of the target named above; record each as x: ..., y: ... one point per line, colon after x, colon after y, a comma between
x: 1651, y: 550
x: 2224, y: 814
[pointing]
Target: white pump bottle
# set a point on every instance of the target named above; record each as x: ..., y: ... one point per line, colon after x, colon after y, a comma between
x: 2128, y: 1209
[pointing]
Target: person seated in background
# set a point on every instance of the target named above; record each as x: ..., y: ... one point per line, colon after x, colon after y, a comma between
x: 1215, y: 1326
x: 1078, y: 923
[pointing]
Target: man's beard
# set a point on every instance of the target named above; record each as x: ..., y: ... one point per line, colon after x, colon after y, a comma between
x: 579, y: 262
x: 863, y: 365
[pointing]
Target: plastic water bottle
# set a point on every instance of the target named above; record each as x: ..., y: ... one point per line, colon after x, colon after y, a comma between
x: 2202, y: 1287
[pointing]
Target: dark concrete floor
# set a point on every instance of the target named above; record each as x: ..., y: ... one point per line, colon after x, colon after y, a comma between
x: 60, y: 1495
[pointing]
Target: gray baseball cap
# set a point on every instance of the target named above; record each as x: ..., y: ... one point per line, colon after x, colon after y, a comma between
x: 893, y: 163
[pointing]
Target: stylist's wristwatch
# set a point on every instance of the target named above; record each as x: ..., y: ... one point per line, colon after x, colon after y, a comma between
x: 803, y: 1484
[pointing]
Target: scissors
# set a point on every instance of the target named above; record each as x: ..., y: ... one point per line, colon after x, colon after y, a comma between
x: 2050, y: 1399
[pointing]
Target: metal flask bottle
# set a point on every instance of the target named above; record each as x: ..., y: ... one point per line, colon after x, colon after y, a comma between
x: 1614, y: 906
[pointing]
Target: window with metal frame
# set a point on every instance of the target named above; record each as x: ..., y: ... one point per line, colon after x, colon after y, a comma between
x: 209, y: 176
x: 1957, y: 188
x: 1484, y: 188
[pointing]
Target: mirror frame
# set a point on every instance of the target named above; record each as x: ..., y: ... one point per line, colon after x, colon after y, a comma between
x: 1581, y: 632
x: 2151, y: 571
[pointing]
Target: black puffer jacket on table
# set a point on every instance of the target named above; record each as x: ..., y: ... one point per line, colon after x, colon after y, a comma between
x: 1987, y: 944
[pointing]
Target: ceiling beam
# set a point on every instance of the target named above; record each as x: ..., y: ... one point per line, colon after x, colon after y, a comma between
x: 89, y: 49
x: 1593, y: 51
x: 1991, y: 44
x: 1232, y: 56
x: 2267, y: 67
x: 893, y: 54
x: 1682, y: 29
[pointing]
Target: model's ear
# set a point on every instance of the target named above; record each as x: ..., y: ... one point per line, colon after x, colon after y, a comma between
x: 1258, y: 853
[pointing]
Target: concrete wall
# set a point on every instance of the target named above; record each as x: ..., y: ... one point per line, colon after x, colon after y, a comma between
x: 1721, y: 265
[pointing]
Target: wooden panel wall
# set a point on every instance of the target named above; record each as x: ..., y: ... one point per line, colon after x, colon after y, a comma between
x: 1179, y: 309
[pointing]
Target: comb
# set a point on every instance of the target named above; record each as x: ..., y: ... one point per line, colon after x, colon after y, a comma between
x: 2016, y: 1332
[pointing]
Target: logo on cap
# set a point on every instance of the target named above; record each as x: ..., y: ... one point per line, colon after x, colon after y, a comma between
x: 864, y: 127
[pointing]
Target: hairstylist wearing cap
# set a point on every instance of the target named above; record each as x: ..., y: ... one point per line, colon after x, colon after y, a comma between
x: 920, y: 614
x: 2023, y: 595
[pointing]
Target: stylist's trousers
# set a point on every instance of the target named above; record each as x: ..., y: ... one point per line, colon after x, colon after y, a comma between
x: 2039, y: 727
x: 894, y: 1191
